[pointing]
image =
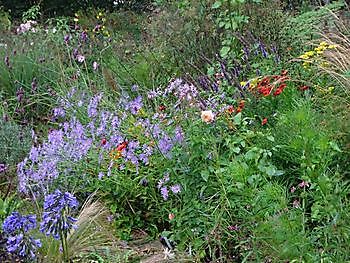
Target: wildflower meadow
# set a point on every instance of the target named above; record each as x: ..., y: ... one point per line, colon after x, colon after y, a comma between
x: 174, y: 131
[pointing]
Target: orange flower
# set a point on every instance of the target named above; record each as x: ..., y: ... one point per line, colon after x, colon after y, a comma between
x: 241, y: 104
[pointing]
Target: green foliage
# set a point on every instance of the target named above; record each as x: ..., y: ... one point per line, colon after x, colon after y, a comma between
x: 15, y: 142
x: 33, y: 13
x: 251, y: 191
x: 7, y: 206
x: 5, y: 22
x: 301, y: 29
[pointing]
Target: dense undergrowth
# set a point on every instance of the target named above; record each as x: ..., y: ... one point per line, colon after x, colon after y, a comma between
x: 222, y: 134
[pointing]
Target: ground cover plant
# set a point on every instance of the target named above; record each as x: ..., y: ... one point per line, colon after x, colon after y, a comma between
x: 175, y: 131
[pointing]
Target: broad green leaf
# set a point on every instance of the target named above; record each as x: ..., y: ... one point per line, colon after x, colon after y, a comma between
x: 237, y: 119
x: 217, y: 4
x: 224, y: 51
x: 205, y: 175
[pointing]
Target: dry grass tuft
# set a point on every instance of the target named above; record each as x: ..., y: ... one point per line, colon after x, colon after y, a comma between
x: 338, y: 60
x: 93, y: 235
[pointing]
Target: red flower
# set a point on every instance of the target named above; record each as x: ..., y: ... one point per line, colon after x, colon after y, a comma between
x: 284, y: 72
x: 241, y: 104
x: 122, y: 146
x: 103, y: 141
x: 303, y: 88
x: 162, y: 108
x: 265, y: 90
x: 280, y: 89
x: 230, y: 109
x: 264, y: 121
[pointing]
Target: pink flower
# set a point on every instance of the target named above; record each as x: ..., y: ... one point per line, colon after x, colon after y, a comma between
x: 80, y: 58
x: 233, y: 228
x: 303, y: 184
x: 207, y: 116
x: 292, y: 189
x: 296, y: 203
x: 95, y: 65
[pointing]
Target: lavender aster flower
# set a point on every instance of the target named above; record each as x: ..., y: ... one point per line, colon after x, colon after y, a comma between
x: 179, y: 135
x: 134, y: 87
x: 59, y: 112
x: 135, y: 105
x: 165, y: 193
x: 67, y: 38
x: 165, y: 145
x: 175, y: 189
x: 92, y: 108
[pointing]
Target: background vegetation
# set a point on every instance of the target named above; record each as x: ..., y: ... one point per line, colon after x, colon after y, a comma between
x: 218, y: 128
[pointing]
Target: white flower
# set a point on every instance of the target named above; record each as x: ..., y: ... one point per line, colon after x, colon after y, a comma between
x: 207, y: 116
x: 168, y: 254
x: 80, y: 58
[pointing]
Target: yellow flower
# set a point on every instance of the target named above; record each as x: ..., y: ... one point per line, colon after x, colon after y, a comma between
x: 243, y: 83
x: 304, y: 56
x: 330, y: 89
x: 306, y: 65
x: 323, y: 44
x: 324, y: 64
x: 310, y: 53
x: 332, y: 46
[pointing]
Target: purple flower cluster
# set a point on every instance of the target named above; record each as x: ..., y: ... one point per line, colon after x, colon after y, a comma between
x: 63, y: 147
x: 164, y: 189
x: 182, y: 90
x: 3, y: 168
x: 102, y: 133
x: 55, y: 220
x: 135, y: 105
x: 16, y: 228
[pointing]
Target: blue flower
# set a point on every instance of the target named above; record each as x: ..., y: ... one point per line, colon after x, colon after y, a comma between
x: 16, y: 228
x: 55, y: 220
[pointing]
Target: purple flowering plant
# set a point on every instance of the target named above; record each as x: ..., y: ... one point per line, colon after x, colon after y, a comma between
x: 17, y: 228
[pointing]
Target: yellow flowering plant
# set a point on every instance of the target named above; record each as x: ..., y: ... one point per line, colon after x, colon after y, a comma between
x: 314, y: 56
